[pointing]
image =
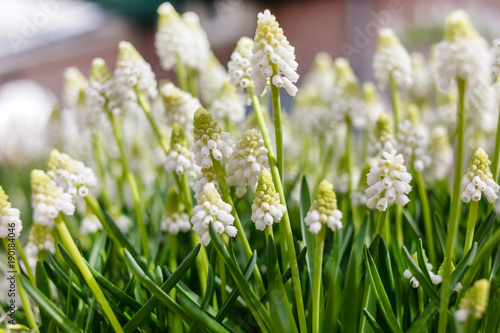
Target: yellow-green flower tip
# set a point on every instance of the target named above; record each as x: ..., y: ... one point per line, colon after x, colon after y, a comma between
x: 127, y: 53
x: 173, y: 203
x: 370, y: 95
x: 418, y: 60
x: 4, y: 202
x: 166, y: 13
x: 345, y: 77
x: 387, y: 39
x: 227, y: 89
x: 441, y: 268
x: 458, y: 26
x: 74, y: 79
x: 363, y: 180
x: 178, y: 136
x: 383, y: 126
x: 477, y: 298
x: 204, y: 125
x: 480, y: 165
x: 326, y: 200
x: 415, y: 258
x: 53, y: 160
x: 266, y: 192
x: 413, y: 113
x: 40, y: 234
x: 322, y: 62
x: 99, y: 71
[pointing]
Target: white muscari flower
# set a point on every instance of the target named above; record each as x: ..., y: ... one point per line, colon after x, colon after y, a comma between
x: 90, y: 225
x: 207, y: 175
x: 179, y: 105
x: 495, y: 54
x: 212, y: 209
x: 391, y: 60
x: 475, y: 302
x: 179, y: 158
x: 482, y: 105
x: 10, y: 221
x: 211, y: 77
x: 174, y: 218
x: 321, y: 76
x: 271, y: 48
x: 438, y: 277
x: 209, y: 140
x: 248, y: 160
x: 40, y: 240
x: 372, y: 104
x: 347, y: 101
x: 389, y: 182
x: 266, y: 207
x: 197, y: 45
x: 70, y: 174
x: 441, y: 154
x: 463, y: 54
x: 413, y: 280
x: 132, y: 73
x: 171, y: 36
x: 239, y: 66
x: 228, y: 106
x: 382, y: 139
x: 75, y: 84
x: 341, y: 181
x: 412, y: 142
x: 324, y: 210
x: 312, y: 112
x: 478, y: 179
x: 48, y: 199
x: 99, y: 91
x: 358, y: 196
x: 422, y: 77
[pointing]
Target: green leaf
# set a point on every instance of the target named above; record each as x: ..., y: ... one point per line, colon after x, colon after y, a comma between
x: 373, y: 323
x: 379, y: 290
x: 308, y: 237
x: 49, y: 308
x: 423, y: 319
x: 426, y: 284
x: 185, y: 309
x: 149, y: 306
x: 462, y: 267
x: 441, y: 235
x: 258, y: 310
x: 350, y: 297
x: 42, y: 283
x: 483, y: 232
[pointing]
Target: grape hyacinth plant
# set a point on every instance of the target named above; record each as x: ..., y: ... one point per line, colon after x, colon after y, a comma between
x: 203, y: 205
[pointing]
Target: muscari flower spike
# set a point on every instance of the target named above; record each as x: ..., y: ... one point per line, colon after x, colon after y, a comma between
x: 211, y: 77
x: 40, y: 240
x: 266, y: 207
x: 90, y: 224
x: 422, y: 77
x: 209, y: 140
x: 99, y: 91
x: 475, y: 301
x: 391, y: 60
x: 174, y: 218
x: 248, y: 160
x: 413, y: 142
x: 179, y: 158
x: 207, y: 175
x: 413, y: 280
x: 228, y: 105
x: 463, y: 53
x: 358, y: 197
x: 75, y: 84
x: 440, y: 152
x: 271, y: 48
x: 212, y: 209
x: 479, y: 179
x: 382, y: 139
x: 179, y: 105
x: 197, y: 45
x: 70, y: 174
x: 239, y: 66
x: 389, y: 182
x: 373, y: 106
x: 324, y: 210
x: 10, y: 221
x: 48, y: 199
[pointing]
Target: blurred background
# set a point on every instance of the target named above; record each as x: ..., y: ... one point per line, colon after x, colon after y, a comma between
x: 40, y: 38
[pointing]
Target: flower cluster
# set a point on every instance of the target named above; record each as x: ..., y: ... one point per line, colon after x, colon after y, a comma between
x: 324, y: 210
x: 248, y: 160
x: 174, y: 217
x: 440, y: 152
x: 391, y: 61
x: 389, y: 182
x: 239, y: 66
x: 179, y: 106
x: 198, y: 46
x: 40, y: 240
x: 272, y: 57
x: 133, y: 73
x: 211, y: 77
x: 207, y: 175
x: 99, y: 91
x: 495, y: 52
x: 48, y: 199
x: 463, y: 53
x: 412, y: 142
x: 90, y: 224
x: 382, y: 139
x: 422, y: 77
x: 228, y: 105
x: 209, y: 140
x: 70, y: 174
x: 373, y: 106
x: 179, y: 158
x: 10, y: 221
x: 75, y: 85
x: 475, y: 301
x: 413, y: 280
x: 479, y: 178
x: 358, y: 197
x: 266, y: 207
x: 212, y: 209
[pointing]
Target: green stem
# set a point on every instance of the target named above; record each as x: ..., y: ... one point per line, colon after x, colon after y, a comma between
x: 399, y: 226
x: 180, y: 70
x: 19, y: 248
x: 173, y: 253
x: 143, y: 102
x: 427, y: 217
x: 96, y: 142
x: 70, y: 245
x: 381, y: 221
x: 318, y: 265
x: 278, y: 129
x: 455, y: 209
x: 193, y: 88
x: 226, y: 196
x: 396, y: 102
x: 133, y: 186
x: 15, y: 269
x: 496, y: 155
x: 222, y: 273
x: 471, y: 223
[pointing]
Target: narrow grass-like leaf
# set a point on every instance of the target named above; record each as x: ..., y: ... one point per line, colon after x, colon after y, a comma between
x: 373, y: 323
x: 42, y: 283
x: 379, y: 290
x: 308, y: 237
x: 350, y: 297
x: 412, y: 223
x: 441, y: 235
x: 423, y: 319
x: 50, y: 309
x: 462, y: 267
x: 483, y: 232
x: 422, y: 263
x: 415, y: 270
